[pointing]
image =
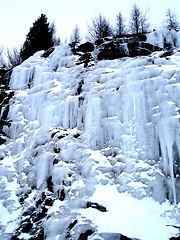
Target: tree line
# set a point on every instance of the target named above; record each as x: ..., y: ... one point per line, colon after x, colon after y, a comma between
x: 42, y: 34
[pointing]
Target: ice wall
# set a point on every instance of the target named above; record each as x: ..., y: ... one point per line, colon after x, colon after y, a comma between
x: 131, y: 104
x: 164, y: 38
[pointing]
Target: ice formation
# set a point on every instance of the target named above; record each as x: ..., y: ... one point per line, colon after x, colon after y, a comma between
x: 108, y: 134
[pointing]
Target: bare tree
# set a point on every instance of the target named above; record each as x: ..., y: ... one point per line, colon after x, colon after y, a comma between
x: 138, y: 20
x: 2, y: 61
x: 171, y: 20
x: 10, y: 58
x: 120, y: 26
x: 144, y: 22
x: 13, y: 58
x: 76, y: 36
x: 99, y: 28
x: 56, y: 40
x: 135, y: 20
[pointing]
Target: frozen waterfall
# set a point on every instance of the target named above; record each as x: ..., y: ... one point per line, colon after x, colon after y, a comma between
x: 129, y: 104
x: 75, y: 130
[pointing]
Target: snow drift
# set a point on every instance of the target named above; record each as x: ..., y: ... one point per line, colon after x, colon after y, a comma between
x: 93, y: 151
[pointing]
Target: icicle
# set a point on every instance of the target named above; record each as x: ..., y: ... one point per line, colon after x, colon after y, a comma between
x: 171, y: 166
x: 166, y: 133
x: 94, y: 130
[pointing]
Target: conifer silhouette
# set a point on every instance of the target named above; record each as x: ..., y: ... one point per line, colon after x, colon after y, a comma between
x: 40, y: 37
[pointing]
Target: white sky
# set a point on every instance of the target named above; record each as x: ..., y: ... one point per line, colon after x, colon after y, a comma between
x: 17, y: 16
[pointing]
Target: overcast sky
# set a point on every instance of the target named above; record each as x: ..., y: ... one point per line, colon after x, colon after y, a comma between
x: 17, y: 16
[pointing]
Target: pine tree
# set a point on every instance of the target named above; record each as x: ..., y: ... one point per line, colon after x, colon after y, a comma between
x: 40, y: 37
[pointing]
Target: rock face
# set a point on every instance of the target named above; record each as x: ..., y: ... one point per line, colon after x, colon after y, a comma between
x: 84, y: 51
x: 141, y: 49
x: 82, y: 48
x: 5, y: 95
x: 86, y: 47
x: 5, y: 76
x: 2, y: 73
x: 48, y: 52
x: 85, y: 58
x: 115, y: 236
x: 110, y: 48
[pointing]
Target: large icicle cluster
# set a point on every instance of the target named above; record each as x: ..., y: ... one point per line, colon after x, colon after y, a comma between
x: 76, y: 131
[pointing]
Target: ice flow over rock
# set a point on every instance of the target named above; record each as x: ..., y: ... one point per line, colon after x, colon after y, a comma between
x: 75, y: 130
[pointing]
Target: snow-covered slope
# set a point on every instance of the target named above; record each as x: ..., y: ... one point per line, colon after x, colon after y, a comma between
x: 93, y: 152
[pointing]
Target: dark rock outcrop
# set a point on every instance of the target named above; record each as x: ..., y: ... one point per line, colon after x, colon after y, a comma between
x: 84, y: 236
x: 61, y: 195
x: 96, y: 206
x: 3, y: 71
x: 48, y: 52
x: 83, y: 51
x: 5, y: 96
x: 115, y: 236
x: 33, y: 218
x: 78, y: 49
x: 5, y: 76
x: 50, y: 182
x: 140, y: 49
x: 85, y: 58
x: 175, y: 238
x: 166, y: 54
x: 26, y: 226
x: 2, y: 139
x: 110, y: 48
x: 113, y: 49
x: 71, y: 225
x: 80, y: 86
x: 85, y: 47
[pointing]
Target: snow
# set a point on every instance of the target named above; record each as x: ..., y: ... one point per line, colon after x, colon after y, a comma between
x: 134, y: 218
x: 114, y: 142
x: 164, y: 36
x: 9, y: 205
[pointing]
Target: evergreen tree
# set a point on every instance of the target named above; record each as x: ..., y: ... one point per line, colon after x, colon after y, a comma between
x: 40, y: 37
